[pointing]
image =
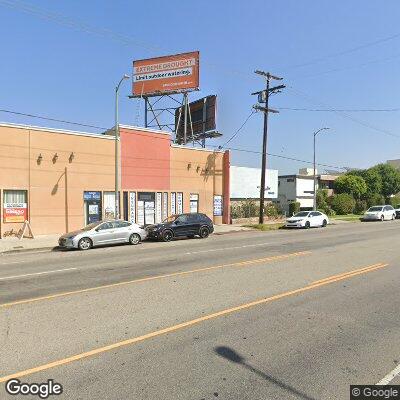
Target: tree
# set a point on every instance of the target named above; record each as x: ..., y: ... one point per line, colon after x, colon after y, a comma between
x: 351, y: 184
x: 390, y: 179
x: 343, y: 203
x: 372, y: 178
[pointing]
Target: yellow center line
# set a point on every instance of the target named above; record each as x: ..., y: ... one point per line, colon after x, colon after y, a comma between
x: 186, y: 324
x: 151, y: 278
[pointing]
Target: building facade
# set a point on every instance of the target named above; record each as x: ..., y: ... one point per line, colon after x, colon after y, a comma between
x: 60, y: 180
x: 245, y: 183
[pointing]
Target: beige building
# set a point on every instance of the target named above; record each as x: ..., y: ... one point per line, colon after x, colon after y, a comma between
x: 60, y: 180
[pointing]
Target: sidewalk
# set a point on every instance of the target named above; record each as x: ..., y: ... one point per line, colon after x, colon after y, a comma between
x: 48, y: 242
x: 41, y: 242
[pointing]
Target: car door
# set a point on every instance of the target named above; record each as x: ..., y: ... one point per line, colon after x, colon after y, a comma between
x: 180, y: 226
x: 315, y: 218
x: 121, y: 231
x: 389, y: 212
x: 193, y: 224
x: 103, y: 233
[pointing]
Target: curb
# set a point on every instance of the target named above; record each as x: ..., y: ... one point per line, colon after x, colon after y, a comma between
x: 27, y: 250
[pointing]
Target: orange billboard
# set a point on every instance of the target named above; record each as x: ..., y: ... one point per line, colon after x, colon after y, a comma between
x: 168, y: 74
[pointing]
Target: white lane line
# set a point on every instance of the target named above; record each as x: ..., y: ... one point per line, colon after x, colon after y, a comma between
x: 226, y: 248
x: 390, y: 376
x: 36, y: 273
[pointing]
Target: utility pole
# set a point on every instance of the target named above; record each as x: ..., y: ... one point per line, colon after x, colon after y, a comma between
x: 263, y: 97
x: 314, y: 174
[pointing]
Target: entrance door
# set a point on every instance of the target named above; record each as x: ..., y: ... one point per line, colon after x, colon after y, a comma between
x: 146, y: 207
x: 92, y: 206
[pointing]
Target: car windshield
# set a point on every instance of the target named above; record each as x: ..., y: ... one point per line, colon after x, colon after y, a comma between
x: 301, y: 214
x: 372, y: 209
x: 90, y: 226
x: 171, y: 218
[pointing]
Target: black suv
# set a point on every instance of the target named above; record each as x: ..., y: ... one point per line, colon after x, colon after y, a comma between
x: 181, y: 225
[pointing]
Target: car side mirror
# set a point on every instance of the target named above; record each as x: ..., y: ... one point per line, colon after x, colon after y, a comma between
x: 177, y: 222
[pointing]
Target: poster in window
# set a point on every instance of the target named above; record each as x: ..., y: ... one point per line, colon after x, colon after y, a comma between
x: 173, y: 203
x: 194, y: 203
x: 140, y: 212
x: 165, y: 205
x: 180, y: 203
x: 159, y: 207
x: 149, y: 208
x: 132, y: 207
x: 15, y: 212
x: 218, y: 206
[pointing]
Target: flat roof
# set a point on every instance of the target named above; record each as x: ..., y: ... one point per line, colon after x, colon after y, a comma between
x: 55, y: 130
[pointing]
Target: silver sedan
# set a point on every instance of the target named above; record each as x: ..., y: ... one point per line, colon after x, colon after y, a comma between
x: 103, y: 233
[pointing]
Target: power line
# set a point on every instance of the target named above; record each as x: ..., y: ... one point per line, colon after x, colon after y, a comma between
x: 339, y: 110
x: 52, y: 119
x: 238, y: 130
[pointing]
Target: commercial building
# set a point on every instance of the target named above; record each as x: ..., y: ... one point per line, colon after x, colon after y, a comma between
x: 60, y: 180
x: 300, y: 188
x: 245, y: 183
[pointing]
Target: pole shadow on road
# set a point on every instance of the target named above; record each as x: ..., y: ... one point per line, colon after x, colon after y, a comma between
x: 233, y: 356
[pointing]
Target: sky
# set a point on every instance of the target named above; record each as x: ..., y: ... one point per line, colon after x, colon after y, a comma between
x: 62, y: 59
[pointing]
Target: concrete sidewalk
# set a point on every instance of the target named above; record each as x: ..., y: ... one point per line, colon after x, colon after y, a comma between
x: 48, y: 242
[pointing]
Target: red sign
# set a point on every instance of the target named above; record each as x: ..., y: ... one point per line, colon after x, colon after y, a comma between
x: 168, y: 74
x: 15, y: 212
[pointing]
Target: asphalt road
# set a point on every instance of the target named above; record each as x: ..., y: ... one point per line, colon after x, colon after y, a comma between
x: 250, y: 315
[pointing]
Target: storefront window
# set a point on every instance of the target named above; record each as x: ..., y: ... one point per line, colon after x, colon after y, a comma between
x: 15, y: 205
x: 194, y: 203
x: 179, y: 203
x: 218, y: 205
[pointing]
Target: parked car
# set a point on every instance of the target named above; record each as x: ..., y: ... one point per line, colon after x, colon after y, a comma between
x: 188, y: 225
x: 397, y: 210
x: 103, y: 233
x: 379, y: 213
x: 307, y: 219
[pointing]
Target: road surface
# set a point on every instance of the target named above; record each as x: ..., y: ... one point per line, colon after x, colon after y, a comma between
x: 250, y: 315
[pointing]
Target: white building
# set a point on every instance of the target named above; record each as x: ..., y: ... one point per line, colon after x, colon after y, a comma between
x: 245, y: 183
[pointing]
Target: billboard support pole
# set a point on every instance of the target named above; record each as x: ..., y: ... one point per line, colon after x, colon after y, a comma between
x: 145, y: 111
x: 203, y: 141
x: 185, y: 100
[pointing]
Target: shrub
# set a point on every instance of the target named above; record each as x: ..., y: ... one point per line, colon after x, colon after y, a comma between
x: 375, y: 199
x: 294, y: 207
x: 361, y: 206
x: 249, y: 208
x: 394, y: 201
x: 343, y: 203
x: 236, y: 212
x: 271, y: 210
x: 351, y: 184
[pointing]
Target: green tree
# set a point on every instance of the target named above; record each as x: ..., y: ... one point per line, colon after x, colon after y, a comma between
x: 390, y: 179
x: 343, y: 203
x: 351, y: 184
x: 372, y: 178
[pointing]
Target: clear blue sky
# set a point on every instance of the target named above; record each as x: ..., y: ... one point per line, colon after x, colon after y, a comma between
x: 68, y: 68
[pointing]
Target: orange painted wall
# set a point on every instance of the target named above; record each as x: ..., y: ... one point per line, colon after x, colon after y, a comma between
x: 198, y: 171
x: 55, y: 189
x: 145, y: 159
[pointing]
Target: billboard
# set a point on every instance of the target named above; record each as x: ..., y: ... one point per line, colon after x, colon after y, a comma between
x: 168, y: 74
x: 203, y: 113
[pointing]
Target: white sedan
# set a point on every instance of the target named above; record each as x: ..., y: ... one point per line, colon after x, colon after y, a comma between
x: 379, y: 213
x: 307, y: 219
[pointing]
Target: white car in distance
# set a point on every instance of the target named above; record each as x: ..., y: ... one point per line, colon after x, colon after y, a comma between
x: 379, y: 213
x: 307, y: 219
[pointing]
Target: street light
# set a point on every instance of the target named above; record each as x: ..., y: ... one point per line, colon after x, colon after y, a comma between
x: 315, y: 184
x: 117, y: 214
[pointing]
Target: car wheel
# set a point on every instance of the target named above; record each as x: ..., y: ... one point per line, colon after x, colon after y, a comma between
x: 204, y: 232
x: 167, y: 236
x: 134, y: 239
x: 307, y: 225
x: 85, y: 244
x: 382, y: 217
x: 324, y: 223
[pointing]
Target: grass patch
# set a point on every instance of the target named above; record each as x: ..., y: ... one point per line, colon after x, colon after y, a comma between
x: 348, y: 217
x: 265, y: 227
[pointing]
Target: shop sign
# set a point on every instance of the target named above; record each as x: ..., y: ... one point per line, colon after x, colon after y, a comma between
x: 180, y: 203
x: 15, y: 212
x: 218, y: 206
x: 173, y: 203
x: 165, y: 205
x: 159, y: 207
x: 91, y: 195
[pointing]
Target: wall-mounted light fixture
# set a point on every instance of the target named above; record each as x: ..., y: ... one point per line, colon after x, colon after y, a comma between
x: 189, y: 165
x: 39, y: 159
x: 198, y: 168
x: 55, y: 158
x: 71, y: 157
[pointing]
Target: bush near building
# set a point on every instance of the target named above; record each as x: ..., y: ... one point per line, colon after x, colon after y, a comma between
x: 343, y: 203
x: 249, y: 208
x: 294, y: 207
